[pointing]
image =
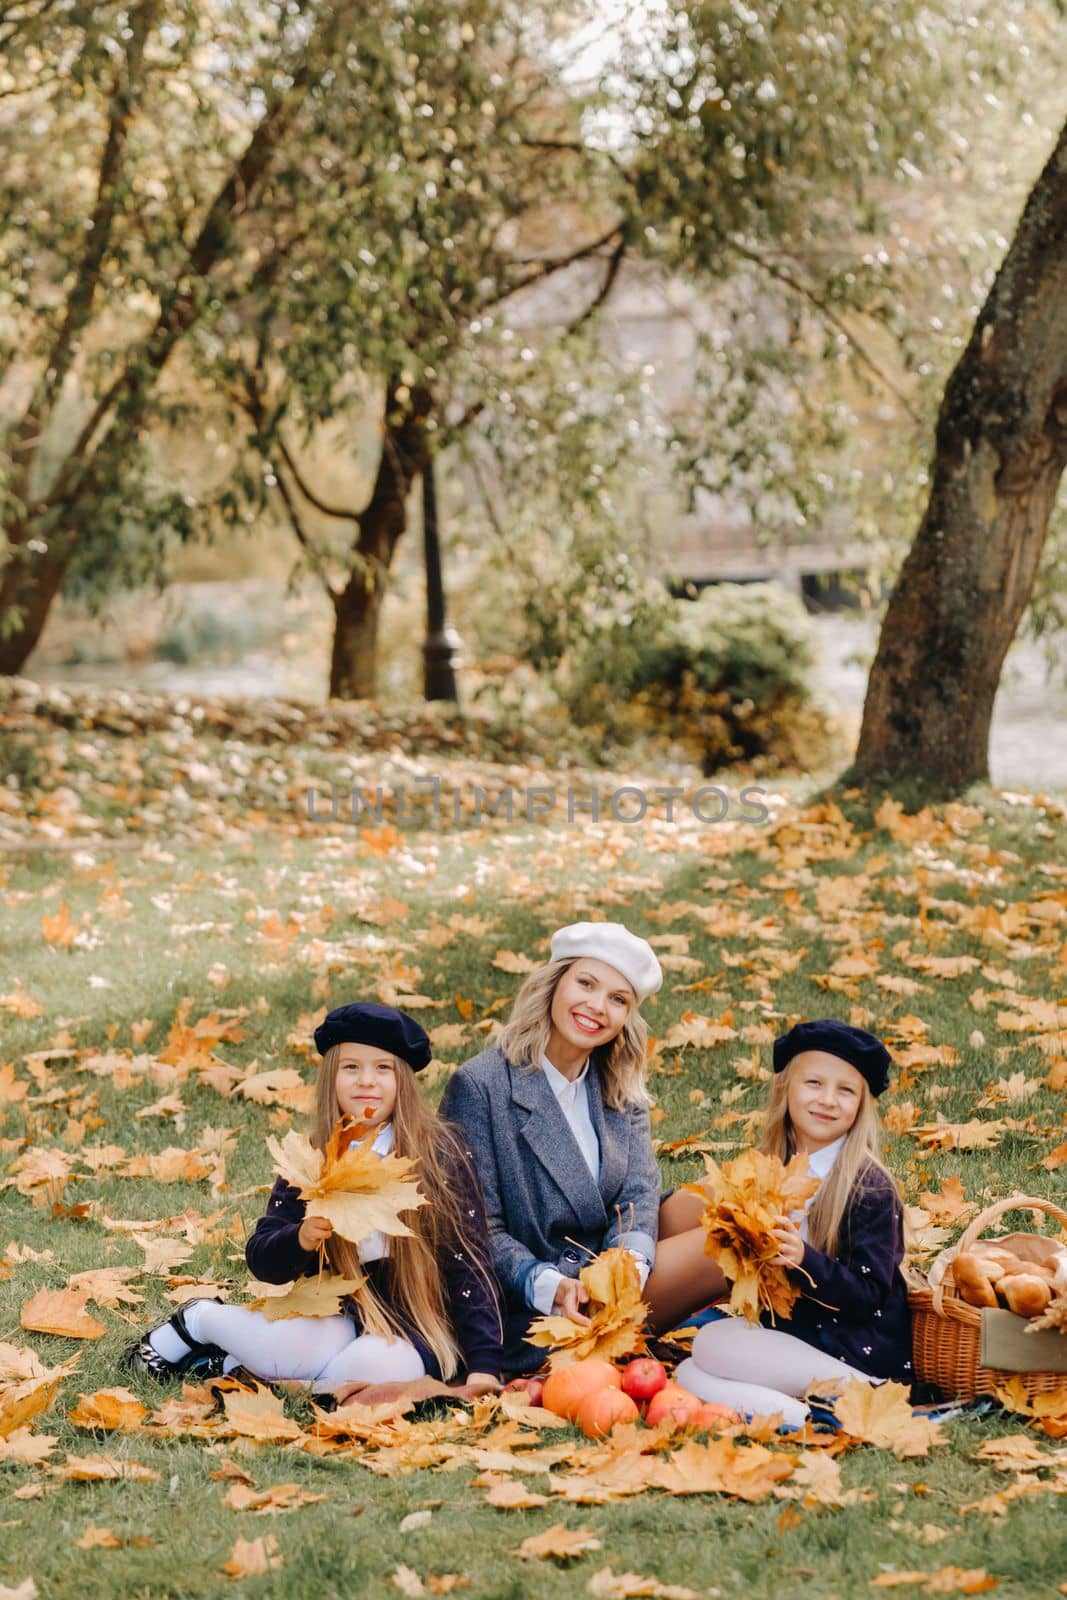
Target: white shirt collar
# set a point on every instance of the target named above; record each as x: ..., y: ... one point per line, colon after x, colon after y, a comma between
x: 820, y: 1162
x: 384, y: 1141
x: 563, y: 1088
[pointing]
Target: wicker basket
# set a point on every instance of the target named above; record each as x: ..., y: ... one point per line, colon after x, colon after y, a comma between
x: 946, y: 1331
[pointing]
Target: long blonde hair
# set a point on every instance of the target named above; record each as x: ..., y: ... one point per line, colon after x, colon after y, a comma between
x: 415, y: 1292
x: 621, y: 1063
x: 859, y: 1156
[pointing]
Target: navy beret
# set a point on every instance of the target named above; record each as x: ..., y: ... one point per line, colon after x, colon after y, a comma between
x: 383, y: 1026
x: 859, y: 1048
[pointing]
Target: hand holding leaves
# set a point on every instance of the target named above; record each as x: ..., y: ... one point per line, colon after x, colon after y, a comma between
x: 747, y: 1199
x: 356, y: 1190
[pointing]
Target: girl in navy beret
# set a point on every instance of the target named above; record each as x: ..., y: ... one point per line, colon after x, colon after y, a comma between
x: 845, y: 1250
x: 427, y: 1306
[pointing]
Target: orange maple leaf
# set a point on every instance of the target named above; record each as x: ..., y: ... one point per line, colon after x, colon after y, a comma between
x: 744, y: 1199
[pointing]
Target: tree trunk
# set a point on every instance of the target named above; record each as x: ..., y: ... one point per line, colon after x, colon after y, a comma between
x: 30, y: 580
x: 1000, y: 451
x: 28, y: 585
x: 357, y: 607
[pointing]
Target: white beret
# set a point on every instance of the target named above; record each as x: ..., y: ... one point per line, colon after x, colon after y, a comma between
x: 617, y: 946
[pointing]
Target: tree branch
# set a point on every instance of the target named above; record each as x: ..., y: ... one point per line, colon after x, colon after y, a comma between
x: 302, y: 539
x: 545, y: 267
x: 782, y: 276
x: 98, y: 233
x: 125, y: 396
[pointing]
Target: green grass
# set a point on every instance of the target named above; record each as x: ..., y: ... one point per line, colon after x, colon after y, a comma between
x: 170, y: 873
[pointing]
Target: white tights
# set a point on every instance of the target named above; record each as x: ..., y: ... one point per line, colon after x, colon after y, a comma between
x: 322, y: 1351
x: 758, y: 1371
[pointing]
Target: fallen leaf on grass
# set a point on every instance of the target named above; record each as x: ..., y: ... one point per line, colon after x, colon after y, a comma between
x: 27, y: 1449
x: 744, y: 1199
x: 881, y: 1415
x: 948, y: 1204
x: 253, y: 1558
x: 1015, y: 1452
x: 279, y: 1497
x: 256, y: 1414
x: 108, y: 1286
x: 407, y: 1581
x: 558, y: 1543
x: 973, y: 1135
x: 110, y: 1409
x: 722, y: 1466
x: 27, y: 1590
x: 1049, y: 1411
x: 103, y: 1469
x: 356, y: 1189
x: 514, y: 1496
x: 947, y: 1580
x: 616, y: 1315
x: 1055, y: 1159
x: 61, y: 1312
x: 817, y: 1482
x: 511, y: 961
x: 96, y: 1538
x: 609, y: 1585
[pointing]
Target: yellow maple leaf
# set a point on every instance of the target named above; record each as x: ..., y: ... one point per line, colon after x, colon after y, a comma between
x: 559, y: 1542
x: 253, y: 1558
x: 109, y: 1409
x: 610, y: 1585
x: 60, y: 1311
x: 722, y: 1466
x: 357, y: 1190
x: 616, y: 1315
x: 881, y: 1414
x: 308, y: 1297
x: 744, y: 1199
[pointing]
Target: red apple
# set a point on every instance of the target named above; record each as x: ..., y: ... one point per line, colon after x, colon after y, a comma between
x: 643, y: 1378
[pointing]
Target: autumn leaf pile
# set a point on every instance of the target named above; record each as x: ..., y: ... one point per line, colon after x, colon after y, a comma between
x: 175, y: 927
x: 615, y: 1310
x: 744, y: 1199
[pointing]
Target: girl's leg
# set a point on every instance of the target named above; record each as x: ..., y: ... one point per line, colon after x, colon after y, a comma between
x: 683, y: 1278
x: 734, y: 1349
x: 297, y: 1348
x: 369, y: 1359
x: 750, y: 1399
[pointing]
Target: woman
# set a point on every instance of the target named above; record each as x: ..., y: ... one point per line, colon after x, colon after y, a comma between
x: 557, y: 1119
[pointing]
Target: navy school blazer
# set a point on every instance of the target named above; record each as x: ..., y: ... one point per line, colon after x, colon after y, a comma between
x: 275, y: 1255
x: 854, y: 1305
x: 542, y: 1202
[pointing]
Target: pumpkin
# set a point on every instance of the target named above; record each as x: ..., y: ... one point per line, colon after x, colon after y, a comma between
x: 710, y: 1415
x: 603, y: 1410
x: 565, y: 1389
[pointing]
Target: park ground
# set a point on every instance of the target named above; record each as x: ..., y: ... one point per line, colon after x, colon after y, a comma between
x: 175, y: 922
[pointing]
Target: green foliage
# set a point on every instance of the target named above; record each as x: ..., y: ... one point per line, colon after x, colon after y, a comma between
x: 722, y: 678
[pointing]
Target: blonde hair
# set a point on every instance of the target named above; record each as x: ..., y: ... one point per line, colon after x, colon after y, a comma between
x: 414, y: 1288
x: 859, y: 1156
x: 621, y: 1063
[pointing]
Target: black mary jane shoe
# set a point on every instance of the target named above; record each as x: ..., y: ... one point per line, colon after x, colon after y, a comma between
x: 201, y: 1360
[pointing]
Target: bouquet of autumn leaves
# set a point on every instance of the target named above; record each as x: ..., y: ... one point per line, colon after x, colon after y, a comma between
x: 744, y: 1198
x: 358, y: 1190
x: 616, y: 1315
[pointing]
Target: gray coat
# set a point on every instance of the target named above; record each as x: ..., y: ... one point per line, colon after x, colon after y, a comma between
x: 542, y: 1202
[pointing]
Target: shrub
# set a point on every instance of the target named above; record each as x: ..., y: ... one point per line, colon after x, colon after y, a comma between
x: 726, y: 676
